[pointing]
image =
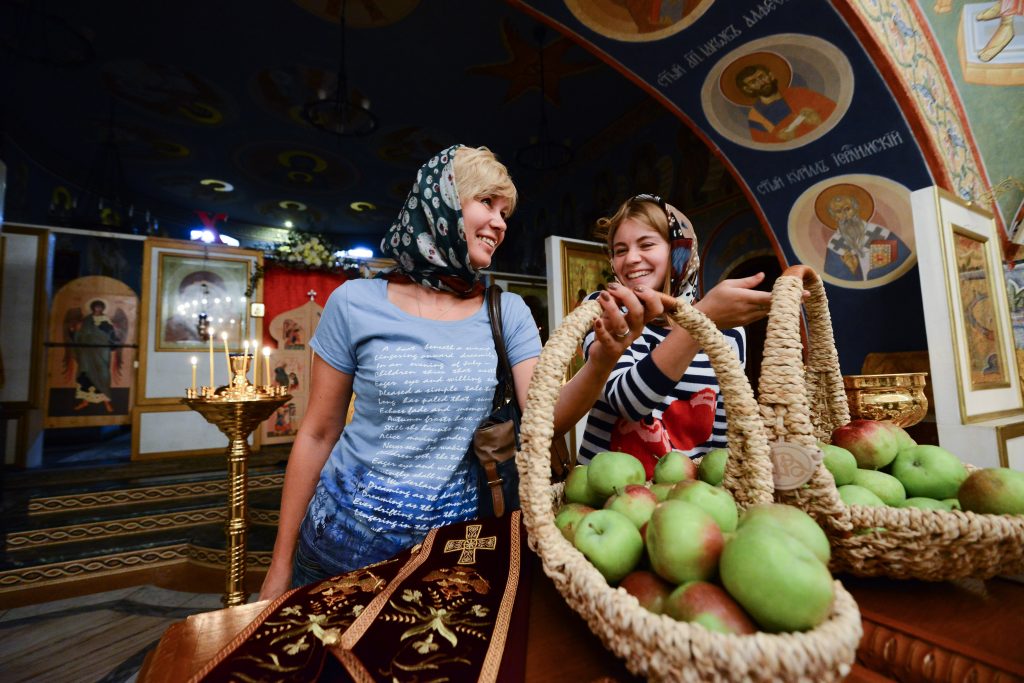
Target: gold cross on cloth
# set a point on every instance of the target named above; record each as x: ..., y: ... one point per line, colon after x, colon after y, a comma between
x: 471, y: 544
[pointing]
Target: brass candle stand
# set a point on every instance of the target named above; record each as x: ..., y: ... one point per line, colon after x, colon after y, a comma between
x: 236, y: 410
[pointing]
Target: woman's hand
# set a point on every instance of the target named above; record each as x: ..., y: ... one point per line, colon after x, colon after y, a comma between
x: 622, y: 320
x: 733, y: 303
x: 276, y: 582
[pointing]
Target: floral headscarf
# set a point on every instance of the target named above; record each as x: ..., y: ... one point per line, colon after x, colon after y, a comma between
x: 428, y: 239
x: 682, y: 249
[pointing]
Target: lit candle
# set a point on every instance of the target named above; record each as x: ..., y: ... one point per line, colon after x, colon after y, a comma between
x: 266, y: 363
x: 227, y: 354
x: 255, y: 364
x: 194, y: 361
x: 209, y: 334
x: 245, y: 354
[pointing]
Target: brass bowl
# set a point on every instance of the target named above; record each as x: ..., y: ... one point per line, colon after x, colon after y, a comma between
x: 898, y: 397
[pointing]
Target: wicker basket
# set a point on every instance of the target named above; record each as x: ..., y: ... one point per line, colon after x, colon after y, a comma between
x: 804, y: 405
x: 656, y: 646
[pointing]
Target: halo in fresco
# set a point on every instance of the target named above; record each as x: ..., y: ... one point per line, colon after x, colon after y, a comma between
x: 779, y: 92
x: 856, y: 230
x: 638, y: 21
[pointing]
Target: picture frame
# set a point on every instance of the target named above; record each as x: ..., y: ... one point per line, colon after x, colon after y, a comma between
x: 967, y: 311
x: 534, y: 291
x: 573, y: 265
x: 184, y: 280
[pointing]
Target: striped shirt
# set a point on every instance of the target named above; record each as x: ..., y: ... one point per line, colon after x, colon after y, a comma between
x: 643, y: 412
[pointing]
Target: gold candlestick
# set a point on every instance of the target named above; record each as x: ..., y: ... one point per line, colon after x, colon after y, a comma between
x: 236, y: 414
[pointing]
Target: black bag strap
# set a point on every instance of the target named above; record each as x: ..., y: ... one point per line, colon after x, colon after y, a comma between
x: 505, y: 391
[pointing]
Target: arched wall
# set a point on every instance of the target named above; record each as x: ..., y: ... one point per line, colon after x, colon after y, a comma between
x: 880, y: 119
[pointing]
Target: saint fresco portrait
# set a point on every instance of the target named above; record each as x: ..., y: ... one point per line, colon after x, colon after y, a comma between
x: 638, y: 20
x: 778, y: 93
x: 91, y: 351
x: 855, y: 230
x: 194, y: 289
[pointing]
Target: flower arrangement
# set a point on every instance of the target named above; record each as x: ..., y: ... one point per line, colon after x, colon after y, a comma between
x: 304, y: 251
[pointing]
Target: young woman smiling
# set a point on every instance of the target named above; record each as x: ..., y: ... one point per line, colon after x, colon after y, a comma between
x: 662, y: 394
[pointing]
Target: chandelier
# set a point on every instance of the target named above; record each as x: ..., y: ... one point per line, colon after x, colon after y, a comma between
x: 340, y: 114
x: 545, y: 153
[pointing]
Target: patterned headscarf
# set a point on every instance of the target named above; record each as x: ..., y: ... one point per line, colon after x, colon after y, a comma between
x: 682, y: 249
x: 428, y: 239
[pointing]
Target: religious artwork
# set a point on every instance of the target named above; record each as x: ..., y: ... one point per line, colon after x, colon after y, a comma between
x: 585, y: 269
x: 168, y: 91
x: 967, y: 308
x: 779, y: 92
x: 1015, y: 295
x: 856, y: 230
x: 975, y: 280
x: 290, y: 363
x: 990, y: 41
x: 196, y: 293
x: 638, y: 20
x: 91, y: 351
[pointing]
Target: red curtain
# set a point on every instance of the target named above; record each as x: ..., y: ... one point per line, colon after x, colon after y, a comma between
x: 287, y: 288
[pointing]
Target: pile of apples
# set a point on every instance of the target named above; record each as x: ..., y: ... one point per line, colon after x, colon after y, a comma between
x: 878, y: 463
x: 680, y: 546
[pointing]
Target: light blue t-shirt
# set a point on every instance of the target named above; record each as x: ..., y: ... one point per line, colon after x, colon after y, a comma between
x: 421, y: 388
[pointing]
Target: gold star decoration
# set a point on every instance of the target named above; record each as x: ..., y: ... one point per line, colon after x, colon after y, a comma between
x: 522, y: 69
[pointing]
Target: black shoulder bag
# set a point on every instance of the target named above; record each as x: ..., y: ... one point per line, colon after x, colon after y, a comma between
x: 496, y: 440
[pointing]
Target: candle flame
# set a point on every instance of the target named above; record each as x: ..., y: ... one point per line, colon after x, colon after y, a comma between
x: 194, y: 360
x: 266, y: 350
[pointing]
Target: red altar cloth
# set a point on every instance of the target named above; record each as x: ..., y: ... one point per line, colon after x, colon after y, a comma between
x: 287, y: 288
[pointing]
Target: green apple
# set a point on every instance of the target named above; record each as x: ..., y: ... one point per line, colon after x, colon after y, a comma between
x: 873, y: 443
x: 661, y: 491
x: 715, y: 501
x: 922, y: 503
x: 577, y: 488
x: 929, y: 471
x: 611, y: 542
x: 776, y: 579
x: 712, y: 466
x: 674, y: 467
x: 840, y: 462
x: 851, y: 494
x: 636, y: 501
x: 683, y: 542
x: 994, y: 491
x: 648, y: 588
x: 885, y: 486
x: 612, y: 471
x: 903, y: 440
x: 791, y: 520
x: 953, y: 503
x: 708, y: 605
x: 568, y: 518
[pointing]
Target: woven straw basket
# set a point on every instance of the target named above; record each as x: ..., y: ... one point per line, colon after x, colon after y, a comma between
x: 656, y: 646
x: 803, y: 405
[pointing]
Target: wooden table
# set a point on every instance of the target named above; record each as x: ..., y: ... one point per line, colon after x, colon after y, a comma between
x: 914, y: 631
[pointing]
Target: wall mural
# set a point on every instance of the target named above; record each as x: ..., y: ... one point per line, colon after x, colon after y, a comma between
x: 638, y: 20
x: 856, y: 230
x: 778, y: 93
x: 795, y: 110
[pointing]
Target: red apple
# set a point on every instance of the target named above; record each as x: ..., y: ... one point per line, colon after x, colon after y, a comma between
x: 710, y: 606
x: 674, y: 467
x: 569, y: 517
x: 636, y: 501
x: 648, y: 588
x: 994, y: 491
x: 683, y: 542
x: 873, y: 443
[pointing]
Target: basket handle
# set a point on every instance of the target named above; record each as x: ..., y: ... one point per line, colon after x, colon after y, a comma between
x: 803, y: 404
x: 748, y: 473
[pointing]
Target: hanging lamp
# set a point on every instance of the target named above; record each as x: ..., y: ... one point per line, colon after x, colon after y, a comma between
x: 338, y: 113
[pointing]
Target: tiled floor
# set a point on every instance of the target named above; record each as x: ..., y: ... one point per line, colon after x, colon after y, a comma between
x: 100, y: 637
